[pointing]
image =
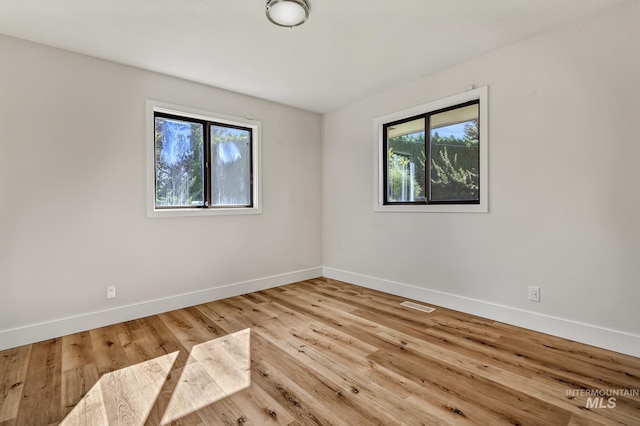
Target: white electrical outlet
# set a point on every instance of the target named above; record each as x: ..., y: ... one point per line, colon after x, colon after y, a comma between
x: 111, y: 292
x: 534, y: 293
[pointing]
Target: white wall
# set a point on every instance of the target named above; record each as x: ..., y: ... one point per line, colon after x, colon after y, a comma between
x: 564, y: 196
x: 72, y: 198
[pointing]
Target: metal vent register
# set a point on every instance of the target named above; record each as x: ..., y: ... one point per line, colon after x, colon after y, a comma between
x: 423, y: 308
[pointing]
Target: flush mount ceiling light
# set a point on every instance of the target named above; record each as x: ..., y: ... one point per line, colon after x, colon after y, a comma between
x: 288, y: 13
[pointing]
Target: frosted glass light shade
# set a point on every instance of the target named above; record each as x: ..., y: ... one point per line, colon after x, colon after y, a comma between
x: 287, y: 13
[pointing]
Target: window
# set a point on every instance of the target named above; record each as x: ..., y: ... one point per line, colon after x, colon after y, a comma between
x: 434, y: 157
x: 201, y: 163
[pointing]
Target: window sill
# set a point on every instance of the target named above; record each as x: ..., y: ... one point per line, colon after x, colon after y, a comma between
x: 432, y: 208
x: 153, y: 213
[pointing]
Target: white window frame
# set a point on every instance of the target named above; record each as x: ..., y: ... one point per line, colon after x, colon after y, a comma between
x: 153, y: 106
x: 480, y: 94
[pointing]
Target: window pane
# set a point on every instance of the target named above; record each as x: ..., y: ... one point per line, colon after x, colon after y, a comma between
x: 405, y: 161
x: 178, y: 159
x: 231, y: 166
x: 455, y: 158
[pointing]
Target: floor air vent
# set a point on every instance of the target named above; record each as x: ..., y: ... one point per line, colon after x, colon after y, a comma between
x: 423, y: 308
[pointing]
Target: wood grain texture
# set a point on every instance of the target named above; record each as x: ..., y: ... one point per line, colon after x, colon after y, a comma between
x: 317, y: 352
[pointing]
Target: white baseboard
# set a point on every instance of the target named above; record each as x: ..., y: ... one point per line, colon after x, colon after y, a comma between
x: 614, y: 340
x: 61, y: 327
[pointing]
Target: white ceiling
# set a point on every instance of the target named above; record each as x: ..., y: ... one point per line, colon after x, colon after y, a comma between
x: 345, y: 51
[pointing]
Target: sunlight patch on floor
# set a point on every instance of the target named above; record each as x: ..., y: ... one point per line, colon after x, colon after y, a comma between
x: 215, y: 370
x: 127, y: 394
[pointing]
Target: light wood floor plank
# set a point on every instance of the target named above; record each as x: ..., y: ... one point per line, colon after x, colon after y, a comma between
x: 13, y: 369
x: 41, y: 402
x: 317, y: 352
x: 76, y: 383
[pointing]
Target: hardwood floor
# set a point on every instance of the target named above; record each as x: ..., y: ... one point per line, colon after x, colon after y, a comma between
x: 317, y: 352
